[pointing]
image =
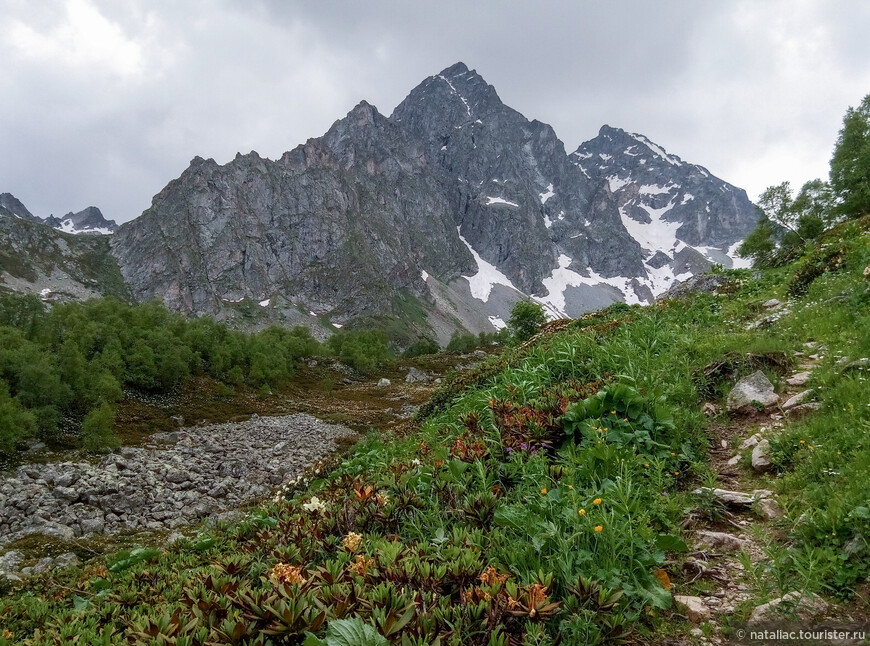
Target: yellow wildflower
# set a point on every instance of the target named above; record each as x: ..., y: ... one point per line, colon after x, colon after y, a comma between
x: 599, y: 528
x: 582, y: 512
x: 597, y: 501
x: 544, y: 490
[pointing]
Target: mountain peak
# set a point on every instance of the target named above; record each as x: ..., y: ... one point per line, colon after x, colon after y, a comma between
x: 456, y: 69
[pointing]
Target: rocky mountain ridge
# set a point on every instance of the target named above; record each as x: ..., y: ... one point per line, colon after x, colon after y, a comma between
x: 438, y: 217
x: 89, y: 220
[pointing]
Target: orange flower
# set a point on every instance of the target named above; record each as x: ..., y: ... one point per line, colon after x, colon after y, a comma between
x: 597, y: 501
x: 676, y: 473
x: 285, y: 573
x: 491, y: 576
x: 544, y: 490
x: 352, y: 542
x: 599, y: 528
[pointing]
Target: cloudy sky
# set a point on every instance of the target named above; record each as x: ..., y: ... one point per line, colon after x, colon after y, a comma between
x: 104, y: 101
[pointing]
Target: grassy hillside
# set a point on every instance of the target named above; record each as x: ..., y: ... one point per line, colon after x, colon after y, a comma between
x: 545, y: 498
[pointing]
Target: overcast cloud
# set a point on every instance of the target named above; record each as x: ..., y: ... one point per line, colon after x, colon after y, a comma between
x: 103, y: 102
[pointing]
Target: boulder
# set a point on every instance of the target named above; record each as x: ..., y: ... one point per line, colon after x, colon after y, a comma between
x: 752, y: 392
x: 768, y: 509
x: 11, y: 561
x: 749, y: 442
x: 694, y: 608
x: 761, y: 457
x: 383, y: 382
x: 415, y: 375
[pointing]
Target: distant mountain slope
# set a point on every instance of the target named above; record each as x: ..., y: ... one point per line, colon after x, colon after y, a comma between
x: 37, y: 259
x: 88, y: 221
x: 440, y: 216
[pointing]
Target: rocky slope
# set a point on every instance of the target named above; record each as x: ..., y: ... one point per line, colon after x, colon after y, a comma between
x: 36, y: 258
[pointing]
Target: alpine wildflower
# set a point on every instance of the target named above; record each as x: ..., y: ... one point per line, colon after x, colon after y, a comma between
x: 597, y: 501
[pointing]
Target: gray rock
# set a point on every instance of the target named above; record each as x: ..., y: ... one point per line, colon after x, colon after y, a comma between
x: 749, y: 442
x: 11, y: 561
x: 772, y: 304
x: 768, y: 509
x: 383, y: 382
x: 761, y: 457
x: 52, y: 530
x: 66, y: 493
x: 750, y: 391
x: 792, y: 604
x: 177, y: 476
x: 736, y: 498
x: 415, y: 375
x: 799, y: 379
x: 92, y: 525
x: 800, y: 398
x: 720, y: 540
x: 66, y: 560
x: 169, y: 438
x: 42, y: 565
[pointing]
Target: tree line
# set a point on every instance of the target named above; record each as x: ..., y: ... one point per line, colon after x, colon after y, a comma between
x: 788, y: 221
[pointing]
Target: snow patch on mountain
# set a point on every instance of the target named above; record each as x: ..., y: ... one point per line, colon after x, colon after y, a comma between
x: 487, y: 275
x: 499, y: 200
x: 657, y: 150
x: 547, y: 194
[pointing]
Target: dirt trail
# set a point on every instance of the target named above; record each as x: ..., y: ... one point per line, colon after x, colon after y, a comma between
x: 741, y: 510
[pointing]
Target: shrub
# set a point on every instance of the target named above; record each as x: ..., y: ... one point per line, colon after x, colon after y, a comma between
x: 526, y: 320
x: 97, y: 429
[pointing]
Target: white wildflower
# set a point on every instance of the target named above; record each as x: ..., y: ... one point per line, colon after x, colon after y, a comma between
x: 315, y: 504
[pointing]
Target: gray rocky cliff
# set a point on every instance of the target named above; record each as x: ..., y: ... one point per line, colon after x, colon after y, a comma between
x: 337, y: 227
x: 441, y: 216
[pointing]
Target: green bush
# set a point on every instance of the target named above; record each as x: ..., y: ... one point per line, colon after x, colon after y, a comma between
x: 526, y: 320
x: 364, y: 350
x: 420, y: 348
x: 97, y: 429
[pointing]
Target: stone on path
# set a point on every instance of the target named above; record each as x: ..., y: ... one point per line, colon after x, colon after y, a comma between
x: 799, y: 379
x: 761, y: 457
x: 694, y: 608
x: 750, y: 392
x: 720, y: 540
x: 800, y: 398
x: 383, y: 382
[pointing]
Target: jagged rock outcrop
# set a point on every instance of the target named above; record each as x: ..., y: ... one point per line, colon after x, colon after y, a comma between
x: 87, y: 221
x: 441, y: 216
x: 337, y: 227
